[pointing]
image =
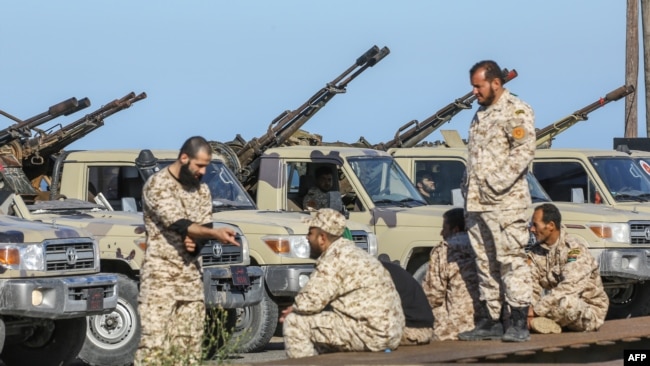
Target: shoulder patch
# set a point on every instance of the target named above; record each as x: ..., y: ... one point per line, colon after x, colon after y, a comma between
x: 520, y: 111
x: 573, y: 255
x: 518, y: 133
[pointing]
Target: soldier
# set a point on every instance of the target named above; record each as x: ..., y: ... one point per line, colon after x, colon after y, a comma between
x: 349, y: 303
x: 451, y: 283
x: 426, y: 185
x: 567, y: 288
x: 417, y: 312
x: 177, y: 211
x: 319, y: 196
x: 501, y: 146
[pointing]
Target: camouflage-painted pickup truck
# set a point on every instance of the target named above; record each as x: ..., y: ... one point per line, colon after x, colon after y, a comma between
x: 50, y: 282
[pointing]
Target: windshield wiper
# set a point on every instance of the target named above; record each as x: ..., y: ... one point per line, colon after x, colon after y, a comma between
x: 629, y: 197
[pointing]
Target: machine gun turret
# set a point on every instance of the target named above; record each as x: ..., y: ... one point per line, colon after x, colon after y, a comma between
x: 414, y: 132
x: 242, y: 156
x: 546, y: 135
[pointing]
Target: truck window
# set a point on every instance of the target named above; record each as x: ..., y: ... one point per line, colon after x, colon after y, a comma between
x: 301, y: 177
x: 559, y: 178
x: 447, y: 175
x: 115, y: 182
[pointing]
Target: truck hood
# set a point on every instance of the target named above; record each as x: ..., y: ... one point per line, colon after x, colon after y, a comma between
x: 634, y: 207
x: 413, y: 216
x: 585, y: 212
x: 16, y: 230
x: 99, y: 223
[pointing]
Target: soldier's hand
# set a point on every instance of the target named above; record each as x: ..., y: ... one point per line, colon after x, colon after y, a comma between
x: 284, y: 314
x: 226, y: 235
x: 190, y: 245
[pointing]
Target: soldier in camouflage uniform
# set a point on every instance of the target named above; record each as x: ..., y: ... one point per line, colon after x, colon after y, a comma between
x: 501, y: 146
x: 349, y: 303
x: 567, y: 288
x: 451, y: 283
x: 319, y: 196
x: 177, y: 211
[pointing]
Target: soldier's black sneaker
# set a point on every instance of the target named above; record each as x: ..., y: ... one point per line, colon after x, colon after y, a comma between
x: 485, y: 329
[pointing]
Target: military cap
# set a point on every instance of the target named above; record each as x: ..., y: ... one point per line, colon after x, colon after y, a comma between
x: 328, y: 220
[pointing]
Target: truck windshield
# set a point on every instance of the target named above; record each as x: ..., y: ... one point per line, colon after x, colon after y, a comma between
x: 623, y: 178
x: 385, y: 182
x: 227, y: 192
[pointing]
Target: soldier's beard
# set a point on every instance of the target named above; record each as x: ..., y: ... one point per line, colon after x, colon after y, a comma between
x: 489, y: 99
x: 187, y: 178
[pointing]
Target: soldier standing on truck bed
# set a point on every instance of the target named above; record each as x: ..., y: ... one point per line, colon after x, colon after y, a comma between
x: 501, y: 146
x: 177, y: 211
x: 567, y: 288
x: 349, y: 302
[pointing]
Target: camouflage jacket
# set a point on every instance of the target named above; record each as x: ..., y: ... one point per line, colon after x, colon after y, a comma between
x: 501, y: 146
x: 354, y: 284
x: 168, y: 269
x: 451, y: 286
x: 564, y: 269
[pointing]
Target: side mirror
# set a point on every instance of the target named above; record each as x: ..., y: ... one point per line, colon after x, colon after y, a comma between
x: 129, y: 204
x: 577, y: 195
x: 457, y: 199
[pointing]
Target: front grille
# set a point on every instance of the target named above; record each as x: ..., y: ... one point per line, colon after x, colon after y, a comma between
x: 70, y: 256
x: 81, y: 293
x: 360, y: 239
x: 215, y: 253
x: 640, y: 232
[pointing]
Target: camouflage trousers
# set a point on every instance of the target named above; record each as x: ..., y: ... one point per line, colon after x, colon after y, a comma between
x: 310, y: 335
x: 499, y: 239
x: 416, y: 336
x: 172, y: 332
x: 575, y: 314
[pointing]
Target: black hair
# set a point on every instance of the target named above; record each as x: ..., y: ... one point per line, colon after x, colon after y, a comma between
x: 193, y: 145
x: 550, y: 213
x: 492, y: 70
x: 455, y: 218
x: 423, y: 174
x: 322, y: 170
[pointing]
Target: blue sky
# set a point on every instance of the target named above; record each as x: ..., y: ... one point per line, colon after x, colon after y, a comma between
x: 221, y: 68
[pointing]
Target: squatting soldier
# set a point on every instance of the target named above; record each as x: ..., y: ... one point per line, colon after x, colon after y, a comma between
x: 177, y: 210
x: 501, y: 146
x: 349, y: 303
x: 451, y: 283
x: 567, y: 288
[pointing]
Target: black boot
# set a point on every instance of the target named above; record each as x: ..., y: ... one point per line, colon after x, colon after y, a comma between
x: 486, y: 327
x: 518, y: 329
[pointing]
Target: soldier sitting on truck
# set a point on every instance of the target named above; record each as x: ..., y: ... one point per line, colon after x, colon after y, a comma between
x: 567, y: 288
x: 321, y: 195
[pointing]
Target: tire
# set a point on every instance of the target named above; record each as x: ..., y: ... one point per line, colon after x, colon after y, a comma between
x: 112, y: 339
x: 255, y: 326
x: 630, y: 301
x: 57, y: 343
x: 215, y: 334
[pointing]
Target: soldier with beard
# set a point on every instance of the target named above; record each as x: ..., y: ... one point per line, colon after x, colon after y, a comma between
x: 501, y: 146
x: 426, y: 186
x: 349, y: 303
x: 177, y: 210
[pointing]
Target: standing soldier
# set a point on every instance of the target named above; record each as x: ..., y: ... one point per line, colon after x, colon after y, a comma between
x: 177, y: 210
x: 501, y: 146
x: 349, y: 303
x: 567, y: 288
x: 451, y: 283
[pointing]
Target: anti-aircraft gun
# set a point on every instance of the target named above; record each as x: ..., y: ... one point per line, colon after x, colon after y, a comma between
x: 546, y: 135
x: 242, y: 157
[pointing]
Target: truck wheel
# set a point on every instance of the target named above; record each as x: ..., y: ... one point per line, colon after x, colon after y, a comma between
x: 629, y: 301
x: 53, y: 343
x: 255, y: 326
x: 112, y: 339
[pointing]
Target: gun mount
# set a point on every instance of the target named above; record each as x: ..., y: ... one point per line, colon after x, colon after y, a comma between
x: 241, y: 156
x: 546, y: 135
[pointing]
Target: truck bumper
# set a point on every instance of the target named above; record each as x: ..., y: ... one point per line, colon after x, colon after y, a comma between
x: 59, y: 297
x: 221, y: 292
x: 625, y: 263
x: 287, y: 280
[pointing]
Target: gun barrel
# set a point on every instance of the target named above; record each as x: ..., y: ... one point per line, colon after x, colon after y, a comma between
x: 418, y: 131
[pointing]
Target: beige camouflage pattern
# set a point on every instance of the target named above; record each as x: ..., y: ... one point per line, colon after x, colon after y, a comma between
x: 316, y: 199
x: 171, y: 286
x: 328, y: 220
x: 416, y: 336
x: 500, y: 148
x: 349, y: 304
x: 499, y: 239
x: 451, y: 286
x: 567, y: 287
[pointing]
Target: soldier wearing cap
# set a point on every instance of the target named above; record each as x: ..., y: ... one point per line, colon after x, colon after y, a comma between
x: 349, y: 303
x: 501, y: 146
x: 567, y: 289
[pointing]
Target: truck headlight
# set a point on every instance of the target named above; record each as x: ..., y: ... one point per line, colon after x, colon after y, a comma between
x: 24, y: 257
x: 614, y: 232
x: 295, y: 246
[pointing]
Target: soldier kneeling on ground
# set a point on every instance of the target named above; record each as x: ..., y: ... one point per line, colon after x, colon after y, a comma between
x: 567, y: 288
x: 349, y: 303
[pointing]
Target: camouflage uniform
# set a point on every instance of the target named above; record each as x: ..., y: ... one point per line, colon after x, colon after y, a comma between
x: 316, y: 199
x: 171, y: 306
x: 451, y: 286
x: 349, y: 304
x: 501, y: 146
x: 567, y: 287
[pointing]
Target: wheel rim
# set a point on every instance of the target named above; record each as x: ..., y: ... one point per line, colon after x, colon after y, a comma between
x: 244, y: 319
x: 113, y: 330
